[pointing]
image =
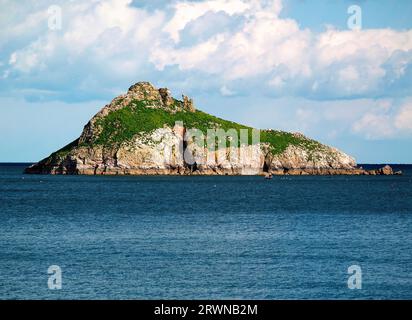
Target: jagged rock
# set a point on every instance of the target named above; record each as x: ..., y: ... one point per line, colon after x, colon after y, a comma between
x: 167, y: 98
x: 386, y: 170
x: 188, y: 104
x: 144, y: 91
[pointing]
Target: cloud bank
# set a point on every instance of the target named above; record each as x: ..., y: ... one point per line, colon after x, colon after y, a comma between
x: 227, y: 42
x: 228, y: 47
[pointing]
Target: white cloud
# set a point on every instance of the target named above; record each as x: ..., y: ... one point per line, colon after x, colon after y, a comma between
x: 385, y: 120
x: 370, y: 119
x: 374, y: 126
x: 258, y: 45
x: 186, y: 12
x: 403, y: 119
x: 349, y: 74
x: 340, y: 63
x: 101, y: 42
x: 13, y: 58
x: 188, y: 58
x: 225, y: 91
x: 114, y: 42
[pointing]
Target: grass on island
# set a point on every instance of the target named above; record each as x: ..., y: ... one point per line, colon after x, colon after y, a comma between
x: 123, y: 124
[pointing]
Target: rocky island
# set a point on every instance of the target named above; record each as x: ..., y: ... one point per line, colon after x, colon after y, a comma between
x: 143, y: 132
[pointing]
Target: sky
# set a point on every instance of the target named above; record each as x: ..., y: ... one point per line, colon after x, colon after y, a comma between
x: 338, y: 71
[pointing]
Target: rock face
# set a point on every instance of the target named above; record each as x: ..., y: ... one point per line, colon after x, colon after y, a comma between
x: 148, y: 132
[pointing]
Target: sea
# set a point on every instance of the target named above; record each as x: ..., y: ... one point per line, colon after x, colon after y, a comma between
x: 205, y: 237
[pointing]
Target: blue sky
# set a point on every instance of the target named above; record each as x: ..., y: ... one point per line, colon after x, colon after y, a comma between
x: 293, y: 65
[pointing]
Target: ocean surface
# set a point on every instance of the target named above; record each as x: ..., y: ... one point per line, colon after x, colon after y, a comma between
x: 205, y: 237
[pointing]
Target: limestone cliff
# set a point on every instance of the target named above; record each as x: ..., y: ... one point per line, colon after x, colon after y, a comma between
x: 144, y: 132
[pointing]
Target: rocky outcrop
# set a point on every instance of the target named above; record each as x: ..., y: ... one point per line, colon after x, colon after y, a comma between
x: 188, y: 103
x: 146, y: 130
x: 167, y: 98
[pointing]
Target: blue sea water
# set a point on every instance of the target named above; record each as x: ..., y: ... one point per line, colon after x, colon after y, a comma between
x: 205, y: 237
